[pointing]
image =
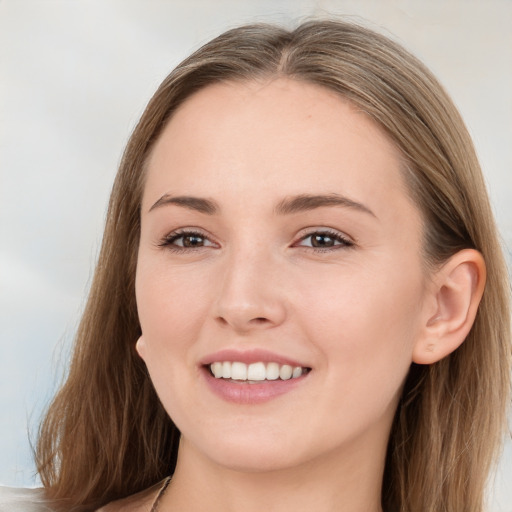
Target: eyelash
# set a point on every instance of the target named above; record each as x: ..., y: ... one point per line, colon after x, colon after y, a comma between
x: 341, y: 242
x: 169, y: 241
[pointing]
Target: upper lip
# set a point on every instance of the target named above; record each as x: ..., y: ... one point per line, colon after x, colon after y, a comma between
x: 249, y: 356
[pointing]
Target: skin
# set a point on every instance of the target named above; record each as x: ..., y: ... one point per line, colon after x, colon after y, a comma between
x: 357, y: 314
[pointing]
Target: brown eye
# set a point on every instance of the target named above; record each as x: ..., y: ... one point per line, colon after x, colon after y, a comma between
x: 191, y: 241
x: 183, y: 240
x: 322, y: 240
x: 325, y: 240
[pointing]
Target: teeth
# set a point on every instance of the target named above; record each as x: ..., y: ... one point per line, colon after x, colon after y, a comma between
x: 254, y: 372
x: 238, y: 371
x: 297, y: 372
x: 226, y: 370
x: 272, y: 371
x: 217, y: 369
x: 286, y: 372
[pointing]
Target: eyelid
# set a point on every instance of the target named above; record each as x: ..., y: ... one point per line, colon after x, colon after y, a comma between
x: 167, y: 240
x: 346, y: 240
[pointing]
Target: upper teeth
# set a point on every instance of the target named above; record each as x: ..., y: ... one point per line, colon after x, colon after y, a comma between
x: 255, y: 371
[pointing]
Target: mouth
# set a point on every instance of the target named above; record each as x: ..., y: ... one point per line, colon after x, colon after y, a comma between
x: 255, y: 373
x: 252, y: 377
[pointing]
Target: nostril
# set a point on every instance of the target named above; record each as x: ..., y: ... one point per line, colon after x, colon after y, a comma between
x: 244, y: 324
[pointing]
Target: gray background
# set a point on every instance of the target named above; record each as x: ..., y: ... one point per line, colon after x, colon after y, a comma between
x: 74, y: 77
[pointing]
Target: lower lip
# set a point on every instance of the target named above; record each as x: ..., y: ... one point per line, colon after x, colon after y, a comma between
x: 245, y: 393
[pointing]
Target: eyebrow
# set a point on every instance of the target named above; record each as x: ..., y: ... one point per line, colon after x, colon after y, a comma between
x: 287, y: 206
x: 305, y: 202
x: 198, y: 204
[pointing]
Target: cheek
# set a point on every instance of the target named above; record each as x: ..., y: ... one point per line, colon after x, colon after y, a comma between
x: 171, y: 305
x: 365, y: 322
x: 171, y: 310
x: 379, y: 299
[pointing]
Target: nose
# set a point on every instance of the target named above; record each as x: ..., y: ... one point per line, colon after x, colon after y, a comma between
x: 250, y: 297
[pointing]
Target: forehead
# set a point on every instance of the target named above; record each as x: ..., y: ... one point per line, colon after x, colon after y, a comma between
x: 271, y: 139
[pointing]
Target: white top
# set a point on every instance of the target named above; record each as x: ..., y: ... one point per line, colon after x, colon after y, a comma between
x: 23, y: 500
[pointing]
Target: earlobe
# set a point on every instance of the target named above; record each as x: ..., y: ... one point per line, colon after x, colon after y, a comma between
x: 140, y: 347
x: 457, y: 290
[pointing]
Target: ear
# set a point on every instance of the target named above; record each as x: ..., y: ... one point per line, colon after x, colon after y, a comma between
x: 140, y: 347
x: 457, y: 289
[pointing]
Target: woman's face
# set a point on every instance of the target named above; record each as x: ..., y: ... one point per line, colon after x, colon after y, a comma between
x: 277, y: 234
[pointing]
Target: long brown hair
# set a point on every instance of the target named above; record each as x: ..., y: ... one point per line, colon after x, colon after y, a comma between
x: 106, y: 434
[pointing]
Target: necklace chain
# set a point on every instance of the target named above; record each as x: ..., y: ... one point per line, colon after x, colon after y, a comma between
x: 154, y: 508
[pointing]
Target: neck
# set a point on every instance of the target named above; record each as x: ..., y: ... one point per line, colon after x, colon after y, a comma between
x: 341, y: 482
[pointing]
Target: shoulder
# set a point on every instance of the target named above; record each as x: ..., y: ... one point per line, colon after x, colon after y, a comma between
x: 140, y: 502
x: 23, y: 500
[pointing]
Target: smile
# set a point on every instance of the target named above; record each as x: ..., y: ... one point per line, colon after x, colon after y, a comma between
x: 255, y: 372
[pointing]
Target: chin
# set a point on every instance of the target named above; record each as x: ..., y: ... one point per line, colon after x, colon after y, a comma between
x: 250, y: 454
x: 256, y: 461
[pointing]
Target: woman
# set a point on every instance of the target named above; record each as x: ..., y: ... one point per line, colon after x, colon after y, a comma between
x: 288, y: 309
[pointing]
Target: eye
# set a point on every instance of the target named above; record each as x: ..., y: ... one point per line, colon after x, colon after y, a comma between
x: 325, y: 240
x: 186, y: 240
